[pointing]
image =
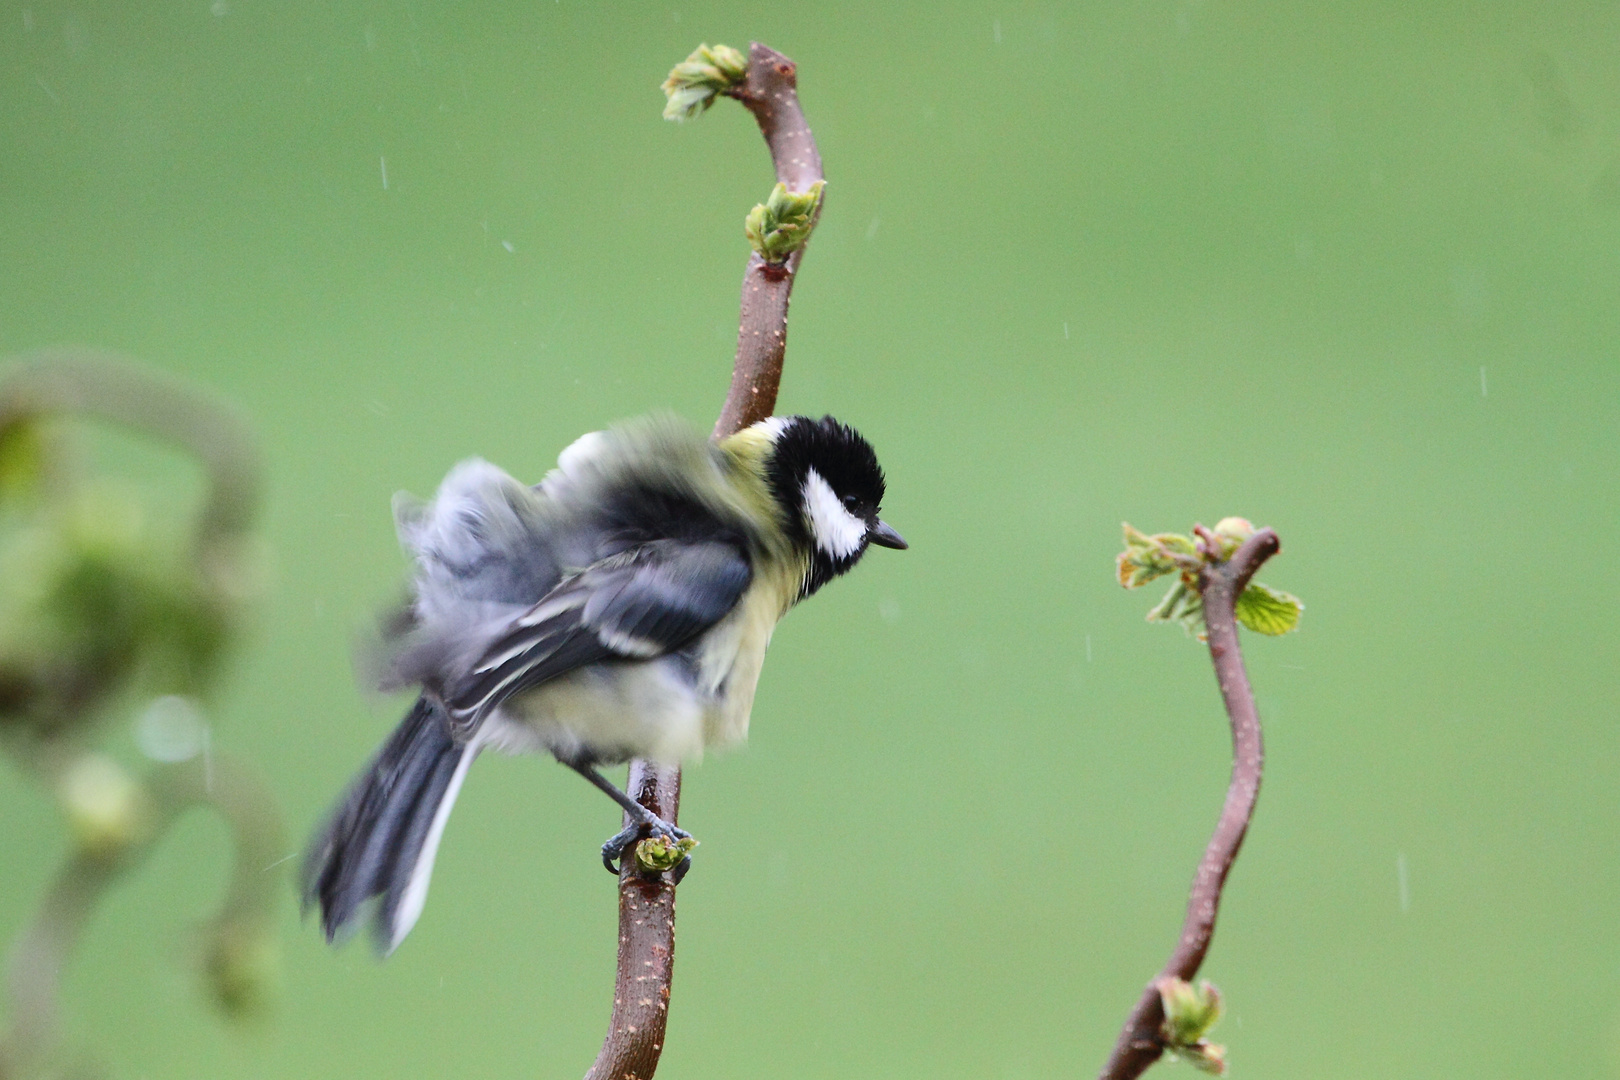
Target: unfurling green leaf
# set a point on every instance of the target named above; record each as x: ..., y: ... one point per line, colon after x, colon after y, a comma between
x: 657, y: 853
x: 1182, y: 604
x: 1148, y: 557
x: 781, y: 225
x: 694, y: 83
x: 1205, y: 1057
x: 1268, y: 611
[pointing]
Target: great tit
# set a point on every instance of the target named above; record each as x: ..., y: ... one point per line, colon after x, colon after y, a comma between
x: 618, y: 609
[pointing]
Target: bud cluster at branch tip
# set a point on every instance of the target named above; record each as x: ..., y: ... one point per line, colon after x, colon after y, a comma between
x: 695, y: 82
x: 781, y: 225
x: 1146, y: 558
x: 1190, y: 1012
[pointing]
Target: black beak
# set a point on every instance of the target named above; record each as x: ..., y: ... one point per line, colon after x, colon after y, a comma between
x: 883, y: 535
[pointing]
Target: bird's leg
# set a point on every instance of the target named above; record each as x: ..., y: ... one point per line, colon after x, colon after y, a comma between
x: 641, y: 818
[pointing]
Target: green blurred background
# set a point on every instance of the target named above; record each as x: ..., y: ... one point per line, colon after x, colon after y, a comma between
x: 1348, y: 270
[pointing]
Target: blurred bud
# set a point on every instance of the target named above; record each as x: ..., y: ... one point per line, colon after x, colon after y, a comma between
x: 242, y: 967
x: 105, y: 518
x: 694, y: 82
x: 22, y: 459
x: 95, y: 601
x: 108, y: 811
x: 781, y: 225
x: 657, y: 853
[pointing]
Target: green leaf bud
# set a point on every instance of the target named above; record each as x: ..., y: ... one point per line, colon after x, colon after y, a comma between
x: 781, y: 225
x: 657, y: 854
x: 1189, y: 1014
x: 694, y: 83
x: 1235, y: 529
x: 1189, y: 1011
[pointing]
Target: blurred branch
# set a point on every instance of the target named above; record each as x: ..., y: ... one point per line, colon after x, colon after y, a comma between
x: 96, y: 596
x: 101, y: 608
x: 239, y: 950
x: 635, y: 1037
x: 96, y: 382
x: 1220, y: 583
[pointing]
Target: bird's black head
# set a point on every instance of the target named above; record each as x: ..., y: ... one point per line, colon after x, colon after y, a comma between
x: 829, y: 485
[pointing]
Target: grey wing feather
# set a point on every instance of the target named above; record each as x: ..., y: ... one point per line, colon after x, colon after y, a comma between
x: 643, y: 603
x: 500, y: 602
x: 483, y: 537
x: 485, y: 548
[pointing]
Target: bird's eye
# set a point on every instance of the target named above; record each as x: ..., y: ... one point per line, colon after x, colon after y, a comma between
x: 849, y: 502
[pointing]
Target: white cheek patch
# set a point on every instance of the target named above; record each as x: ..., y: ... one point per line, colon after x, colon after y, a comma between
x: 837, y: 531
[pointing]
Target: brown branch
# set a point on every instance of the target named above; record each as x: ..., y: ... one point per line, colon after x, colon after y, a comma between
x: 771, y: 93
x: 635, y: 1037
x: 1140, y: 1042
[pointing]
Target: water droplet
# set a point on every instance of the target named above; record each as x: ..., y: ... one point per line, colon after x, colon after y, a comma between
x: 171, y: 729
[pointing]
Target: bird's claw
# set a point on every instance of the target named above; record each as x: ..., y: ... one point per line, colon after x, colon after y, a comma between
x: 626, y: 838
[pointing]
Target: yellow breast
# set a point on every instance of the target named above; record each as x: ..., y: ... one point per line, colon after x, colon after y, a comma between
x: 735, y: 651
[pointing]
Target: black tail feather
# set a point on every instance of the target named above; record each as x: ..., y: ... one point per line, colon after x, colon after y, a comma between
x: 381, y: 838
x: 398, y: 871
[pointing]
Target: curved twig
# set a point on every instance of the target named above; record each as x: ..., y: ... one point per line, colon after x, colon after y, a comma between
x: 635, y: 1037
x: 1140, y: 1042
x: 41, y: 952
x: 97, y: 382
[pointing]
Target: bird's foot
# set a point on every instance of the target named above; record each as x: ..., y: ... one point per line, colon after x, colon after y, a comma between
x: 656, y: 845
